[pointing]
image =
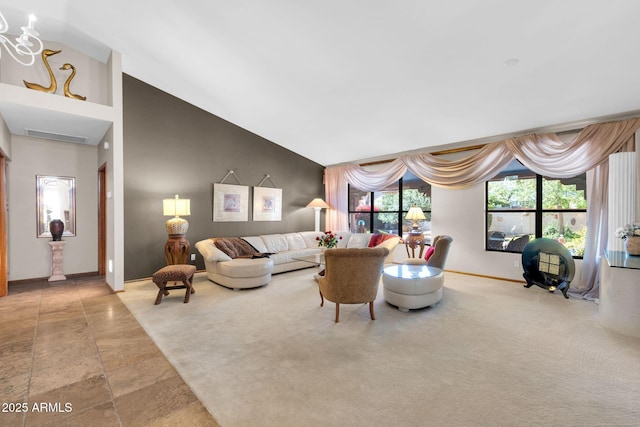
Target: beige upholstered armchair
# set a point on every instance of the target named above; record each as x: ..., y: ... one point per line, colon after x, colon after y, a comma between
x: 438, y: 258
x: 352, y: 276
x: 441, y: 243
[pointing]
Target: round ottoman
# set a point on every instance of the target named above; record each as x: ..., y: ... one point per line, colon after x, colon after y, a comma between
x: 412, y: 286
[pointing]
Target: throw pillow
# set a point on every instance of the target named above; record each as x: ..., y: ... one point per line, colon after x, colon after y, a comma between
x: 430, y: 251
x: 378, y: 238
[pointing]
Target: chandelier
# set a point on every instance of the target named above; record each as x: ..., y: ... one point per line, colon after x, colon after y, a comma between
x: 24, y: 51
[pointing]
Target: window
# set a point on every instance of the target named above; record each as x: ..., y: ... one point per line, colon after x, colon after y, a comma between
x: 383, y: 211
x: 522, y: 206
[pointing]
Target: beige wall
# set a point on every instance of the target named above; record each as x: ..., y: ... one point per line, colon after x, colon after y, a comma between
x: 30, y: 256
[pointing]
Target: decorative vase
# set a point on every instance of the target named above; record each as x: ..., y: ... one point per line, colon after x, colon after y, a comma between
x: 632, y: 244
x: 56, y: 227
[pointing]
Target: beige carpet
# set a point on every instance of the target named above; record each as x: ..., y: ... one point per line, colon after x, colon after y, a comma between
x: 491, y: 353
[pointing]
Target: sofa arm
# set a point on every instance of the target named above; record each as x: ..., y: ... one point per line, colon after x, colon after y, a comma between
x: 390, y: 243
x: 210, y: 252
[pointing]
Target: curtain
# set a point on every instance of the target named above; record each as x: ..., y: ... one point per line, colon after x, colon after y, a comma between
x: 543, y: 154
x: 477, y: 167
x: 597, y: 228
x: 337, y: 196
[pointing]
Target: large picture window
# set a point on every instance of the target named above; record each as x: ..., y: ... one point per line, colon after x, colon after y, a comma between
x: 384, y: 211
x: 522, y: 206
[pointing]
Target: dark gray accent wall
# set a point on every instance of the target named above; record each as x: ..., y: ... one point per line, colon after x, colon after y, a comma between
x: 172, y: 147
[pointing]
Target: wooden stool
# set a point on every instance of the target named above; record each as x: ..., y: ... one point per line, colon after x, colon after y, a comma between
x: 174, y: 273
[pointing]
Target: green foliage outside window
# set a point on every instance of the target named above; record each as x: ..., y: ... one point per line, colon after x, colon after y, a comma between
x: 410, y: 197
x: 519, y: 194
x: 512, y: 193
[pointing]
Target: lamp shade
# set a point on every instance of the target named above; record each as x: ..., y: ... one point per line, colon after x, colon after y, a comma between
x: 318, y: 203
x: 415, y: 213
x: 177, y: 207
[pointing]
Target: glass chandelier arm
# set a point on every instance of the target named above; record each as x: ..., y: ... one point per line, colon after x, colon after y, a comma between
x: 27, y: 46
x: 4, y: 27
x: 24, y: 42
x: 23, y: 56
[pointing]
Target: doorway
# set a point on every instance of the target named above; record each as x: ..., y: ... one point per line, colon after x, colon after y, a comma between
x: 102, y: 220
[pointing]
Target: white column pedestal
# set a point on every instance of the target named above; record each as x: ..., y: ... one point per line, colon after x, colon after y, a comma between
x: 57, y: 261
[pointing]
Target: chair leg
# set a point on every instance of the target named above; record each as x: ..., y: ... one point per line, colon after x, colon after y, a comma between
x: 373, y: 316
x: 187, y: 293
x: 190, y: 290
x: 321, y: 299
x: 161, y: 291
x: 337, y: 312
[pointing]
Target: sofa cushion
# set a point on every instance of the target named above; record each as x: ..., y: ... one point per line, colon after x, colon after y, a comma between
x: 257, y: 243
x: 275, y: 242
x: 295, y: 241
x: 359, y: 240
x: 309, y: 238
x: 343, y: 238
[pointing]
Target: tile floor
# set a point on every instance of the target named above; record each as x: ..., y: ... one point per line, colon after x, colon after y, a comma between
x: 72, y: 354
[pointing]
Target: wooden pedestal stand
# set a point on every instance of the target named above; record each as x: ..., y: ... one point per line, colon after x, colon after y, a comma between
x: 177, y: 249
x: 415, y: 241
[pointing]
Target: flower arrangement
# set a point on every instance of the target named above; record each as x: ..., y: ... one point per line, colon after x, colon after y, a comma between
x: 628, y: 231
x: 328, y: 240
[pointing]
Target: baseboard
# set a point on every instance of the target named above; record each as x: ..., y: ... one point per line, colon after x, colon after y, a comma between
x: 68, y: 276
x: 486, y: 277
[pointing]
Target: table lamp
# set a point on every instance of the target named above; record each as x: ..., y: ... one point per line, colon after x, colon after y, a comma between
x: 415, y: 214
x: 177, y: 248
x: 318, y: 204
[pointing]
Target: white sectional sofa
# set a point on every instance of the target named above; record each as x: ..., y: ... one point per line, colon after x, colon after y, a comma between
x: 239, y: 273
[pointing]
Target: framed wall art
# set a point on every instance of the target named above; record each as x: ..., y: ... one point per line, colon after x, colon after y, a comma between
x: 230, y: 203
x: 267, y: 204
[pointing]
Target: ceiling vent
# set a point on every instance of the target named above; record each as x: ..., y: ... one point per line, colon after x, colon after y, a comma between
x: 56, y: 136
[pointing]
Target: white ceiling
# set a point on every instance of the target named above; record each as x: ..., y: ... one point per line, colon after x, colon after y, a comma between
x: 339, y: 81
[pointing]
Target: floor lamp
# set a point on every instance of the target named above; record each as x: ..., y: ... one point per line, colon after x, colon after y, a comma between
x: 176, y: 250
x: 318, y: 204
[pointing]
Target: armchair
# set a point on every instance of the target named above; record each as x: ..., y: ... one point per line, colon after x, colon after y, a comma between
x: 438, y: 257
x: 518, y: 244
x: 352, y: 276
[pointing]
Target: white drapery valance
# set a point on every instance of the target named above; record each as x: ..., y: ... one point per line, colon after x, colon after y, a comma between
x: 543, y: 154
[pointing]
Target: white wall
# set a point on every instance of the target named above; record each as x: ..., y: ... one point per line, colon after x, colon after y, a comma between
x: 461, y: 214
x: 30, y: 256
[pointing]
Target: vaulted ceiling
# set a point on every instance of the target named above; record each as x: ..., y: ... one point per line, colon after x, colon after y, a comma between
x: 340, y: 81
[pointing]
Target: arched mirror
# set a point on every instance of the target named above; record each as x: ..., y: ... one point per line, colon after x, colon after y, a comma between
x: 56, y: 200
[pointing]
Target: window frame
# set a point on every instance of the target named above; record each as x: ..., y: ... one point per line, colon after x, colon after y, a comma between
x: 372, y: 212
x: 538, y: 211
